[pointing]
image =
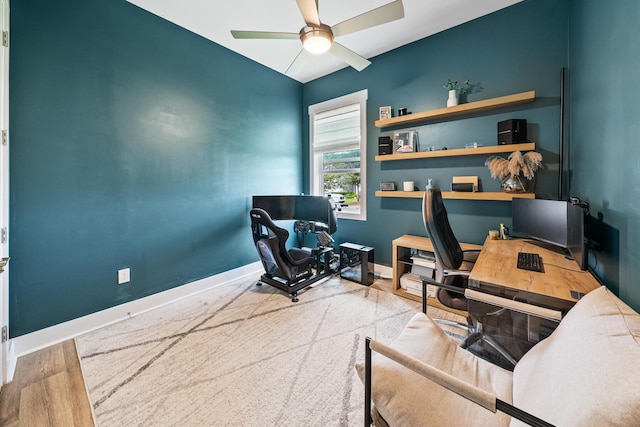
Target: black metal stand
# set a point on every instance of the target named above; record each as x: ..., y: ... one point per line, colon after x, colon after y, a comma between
x: 323, y: 266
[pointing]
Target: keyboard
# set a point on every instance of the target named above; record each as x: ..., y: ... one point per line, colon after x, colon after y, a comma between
x: 529, y: 261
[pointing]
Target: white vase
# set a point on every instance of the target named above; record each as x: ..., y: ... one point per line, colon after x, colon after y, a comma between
x: 453, y: 98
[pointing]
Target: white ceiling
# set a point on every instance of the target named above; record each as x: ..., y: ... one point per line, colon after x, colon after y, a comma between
x: 214, y: 19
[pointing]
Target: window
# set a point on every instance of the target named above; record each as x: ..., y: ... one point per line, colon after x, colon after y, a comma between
x: 338, y: 152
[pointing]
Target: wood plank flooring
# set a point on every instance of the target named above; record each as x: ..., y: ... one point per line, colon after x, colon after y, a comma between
x: 47, y: 390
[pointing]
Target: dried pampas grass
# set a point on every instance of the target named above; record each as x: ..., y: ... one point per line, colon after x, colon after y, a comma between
x: 518, y: 163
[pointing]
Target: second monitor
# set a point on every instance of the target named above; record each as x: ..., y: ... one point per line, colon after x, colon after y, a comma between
x: 556, y: 222
x: 308, y: 208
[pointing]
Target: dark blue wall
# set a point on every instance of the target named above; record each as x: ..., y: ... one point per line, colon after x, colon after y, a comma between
x: 605, y: 134
x: 134, y: 143
x: 515, y: 50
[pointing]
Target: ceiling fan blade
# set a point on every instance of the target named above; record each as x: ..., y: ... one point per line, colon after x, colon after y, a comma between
x: 309, y: 10
x: 263, y: 35
x: 349, y: 56
x: 298, y: 63
x: 383, y: 14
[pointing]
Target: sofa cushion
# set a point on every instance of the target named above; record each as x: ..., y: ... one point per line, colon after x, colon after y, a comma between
x: 404, y: 398
x: 586, y: 373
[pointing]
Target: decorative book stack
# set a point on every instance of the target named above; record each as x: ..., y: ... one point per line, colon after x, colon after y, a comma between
x: 423, y: 265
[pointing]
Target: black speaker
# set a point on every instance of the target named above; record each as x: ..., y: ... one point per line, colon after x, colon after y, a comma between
x: 512, y: 131
x: 467, y: 187
x: 385, y: 145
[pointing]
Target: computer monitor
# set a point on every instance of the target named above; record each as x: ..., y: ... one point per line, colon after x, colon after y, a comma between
x: 278, y: 207
x: 556, y: 222
x: 318, y: 209
x: 544, y: 220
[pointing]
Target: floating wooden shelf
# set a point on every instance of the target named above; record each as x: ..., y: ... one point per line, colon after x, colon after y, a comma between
x: 479, y: 195
x: 459, y: 110
x: 491, y: 149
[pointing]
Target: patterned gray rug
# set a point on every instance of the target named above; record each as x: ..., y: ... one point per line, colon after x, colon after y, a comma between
x: 241, y: 355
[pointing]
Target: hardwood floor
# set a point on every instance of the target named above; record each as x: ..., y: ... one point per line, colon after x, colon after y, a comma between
x: 47, y: 390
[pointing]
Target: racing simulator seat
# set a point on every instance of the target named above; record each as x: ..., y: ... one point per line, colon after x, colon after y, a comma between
x: 291, y: 270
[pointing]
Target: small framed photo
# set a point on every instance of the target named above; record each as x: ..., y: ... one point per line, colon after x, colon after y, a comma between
x: 405, y: 142
x: 385, y: 113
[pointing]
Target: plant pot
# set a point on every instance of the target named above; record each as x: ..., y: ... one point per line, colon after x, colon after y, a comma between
x: 514, y: 184
x: 453, y: 98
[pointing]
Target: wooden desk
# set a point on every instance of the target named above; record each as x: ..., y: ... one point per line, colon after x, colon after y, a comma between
x: 537, y: 300
x: 496, y: 271
x: 543, y: 297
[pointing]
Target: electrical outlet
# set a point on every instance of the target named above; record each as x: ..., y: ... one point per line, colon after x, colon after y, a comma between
x: 124, y: 276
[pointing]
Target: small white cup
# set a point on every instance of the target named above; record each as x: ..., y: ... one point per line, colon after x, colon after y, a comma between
x: 408, y: 185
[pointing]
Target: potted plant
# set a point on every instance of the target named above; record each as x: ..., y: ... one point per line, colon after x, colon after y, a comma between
x: 512, y: 170
x: 454, y: 89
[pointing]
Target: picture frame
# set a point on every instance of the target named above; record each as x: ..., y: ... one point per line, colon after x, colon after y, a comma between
x: 405, y: 142
x: 385, y: 112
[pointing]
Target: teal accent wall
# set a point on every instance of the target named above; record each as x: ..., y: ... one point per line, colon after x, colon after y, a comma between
x: 134, y: 143
x: 518, y: 49
x: 605, y: 134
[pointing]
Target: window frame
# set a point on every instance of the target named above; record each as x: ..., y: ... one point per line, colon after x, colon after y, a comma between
x: 361, y: 98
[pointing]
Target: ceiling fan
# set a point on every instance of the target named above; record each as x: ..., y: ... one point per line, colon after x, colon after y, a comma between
x: 317, y: 37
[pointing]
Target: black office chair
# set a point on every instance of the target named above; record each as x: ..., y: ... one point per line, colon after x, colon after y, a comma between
x: 450, y: 279
x: 289, y: 270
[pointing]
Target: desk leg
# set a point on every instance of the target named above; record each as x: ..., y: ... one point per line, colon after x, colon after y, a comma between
x: 394, y: 266
x: 533, y: 328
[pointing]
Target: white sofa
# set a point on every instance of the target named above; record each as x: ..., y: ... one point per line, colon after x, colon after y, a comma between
x: 587, y: 373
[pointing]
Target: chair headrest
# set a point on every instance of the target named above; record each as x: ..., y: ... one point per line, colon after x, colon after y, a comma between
x: 436, y: 221
x: 262, y: 218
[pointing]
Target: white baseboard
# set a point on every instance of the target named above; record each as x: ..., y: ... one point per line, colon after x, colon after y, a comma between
x: 10, y: 362
x: 28, y: 343
x: 383, y: 271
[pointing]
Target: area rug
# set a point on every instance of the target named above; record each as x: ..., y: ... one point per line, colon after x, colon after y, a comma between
x: 241, y: 355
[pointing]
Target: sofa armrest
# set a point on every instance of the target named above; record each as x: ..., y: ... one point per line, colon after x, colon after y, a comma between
x: 472, y: 393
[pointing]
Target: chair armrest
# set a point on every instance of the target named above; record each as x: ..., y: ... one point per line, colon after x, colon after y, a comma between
x: 470, y: 255
x: 456, y: 289
x: 465, y: 273
x: 470, y: 392
x: 429, y: 281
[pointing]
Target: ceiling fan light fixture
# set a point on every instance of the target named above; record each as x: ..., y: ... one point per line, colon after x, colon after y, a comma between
x: 316, y: 40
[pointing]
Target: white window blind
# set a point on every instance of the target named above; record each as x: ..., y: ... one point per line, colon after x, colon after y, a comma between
x: 337, y: 128
x: 338, y: 152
